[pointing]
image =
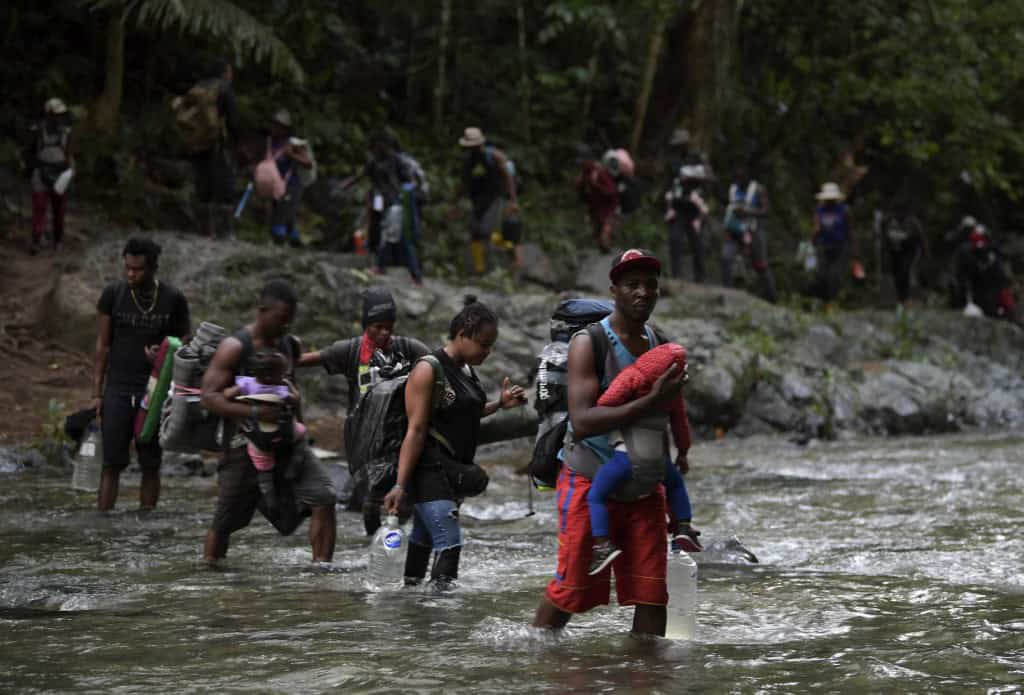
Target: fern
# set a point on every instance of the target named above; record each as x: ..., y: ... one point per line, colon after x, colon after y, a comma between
x: 216, y: 18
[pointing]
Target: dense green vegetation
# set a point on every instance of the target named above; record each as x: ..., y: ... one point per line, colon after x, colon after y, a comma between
x: 916, y: 102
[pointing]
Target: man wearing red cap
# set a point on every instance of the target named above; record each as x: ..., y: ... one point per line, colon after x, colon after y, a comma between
x: 639, y: 516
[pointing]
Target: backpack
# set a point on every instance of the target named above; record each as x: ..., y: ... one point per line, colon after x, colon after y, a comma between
x: 735, y: 225
x: 375, y: 429
x: 198, y: 118
x: 267, y: 179
x: 551, y: 402
x: 307, y: 177
x: 620, y: 164
x: 185, y: 425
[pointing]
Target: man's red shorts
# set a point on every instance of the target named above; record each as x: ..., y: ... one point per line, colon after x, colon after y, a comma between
x: 638, y: 527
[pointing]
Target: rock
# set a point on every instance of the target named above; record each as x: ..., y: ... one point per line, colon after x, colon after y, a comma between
x: 538, y: 268
x: 592, y: 272
x: 913, y: 397
x: 717, y: 392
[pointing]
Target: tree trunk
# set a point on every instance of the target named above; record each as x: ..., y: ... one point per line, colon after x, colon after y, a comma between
x: 108, y: 106
x: 588, y: 94
x: 650, y: 69
x: 442, y: 58
x: 524, y: 75
x: 410, y: 68
x: 711, y: 45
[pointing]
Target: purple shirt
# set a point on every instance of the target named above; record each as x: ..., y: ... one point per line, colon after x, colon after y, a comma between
x: 251, y: 387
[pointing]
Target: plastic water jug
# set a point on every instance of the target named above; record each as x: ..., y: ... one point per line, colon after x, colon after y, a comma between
x: 682, y: 596
x: 88, y: 461
x: 386, y: 566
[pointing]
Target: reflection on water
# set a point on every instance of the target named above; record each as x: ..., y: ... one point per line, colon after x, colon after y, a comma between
x: 886, y: 565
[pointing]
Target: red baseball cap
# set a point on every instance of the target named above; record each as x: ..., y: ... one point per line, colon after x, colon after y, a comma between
x: 634, y: 259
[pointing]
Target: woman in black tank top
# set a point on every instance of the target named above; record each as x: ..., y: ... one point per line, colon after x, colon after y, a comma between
x: 453, y: 419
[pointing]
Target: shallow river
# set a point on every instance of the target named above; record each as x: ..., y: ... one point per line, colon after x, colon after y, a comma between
x: 886, y: 566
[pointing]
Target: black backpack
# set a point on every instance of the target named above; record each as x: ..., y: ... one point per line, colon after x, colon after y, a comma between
x: 551, y: 402
x: 375, y: 429
x: 631, y: 193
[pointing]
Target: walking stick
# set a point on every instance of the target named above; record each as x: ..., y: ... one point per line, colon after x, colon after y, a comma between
x: 244, y: 201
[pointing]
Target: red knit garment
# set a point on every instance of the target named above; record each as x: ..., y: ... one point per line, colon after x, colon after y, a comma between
x: 637, y: 379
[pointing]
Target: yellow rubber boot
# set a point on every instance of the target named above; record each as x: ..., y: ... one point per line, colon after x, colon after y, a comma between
x: 478, y: 251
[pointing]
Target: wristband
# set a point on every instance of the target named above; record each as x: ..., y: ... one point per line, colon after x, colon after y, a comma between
x: 399, y: 486
x: 253, y: 411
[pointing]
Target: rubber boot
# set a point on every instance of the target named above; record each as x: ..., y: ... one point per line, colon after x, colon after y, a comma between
x: 446, y: 569
x: 478, y: 252
x: 416, y: 560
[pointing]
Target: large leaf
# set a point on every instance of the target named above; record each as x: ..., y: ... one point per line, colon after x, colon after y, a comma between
x: 215, y: 18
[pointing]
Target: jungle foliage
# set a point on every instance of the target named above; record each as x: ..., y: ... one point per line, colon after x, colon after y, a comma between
x: 907, y: 102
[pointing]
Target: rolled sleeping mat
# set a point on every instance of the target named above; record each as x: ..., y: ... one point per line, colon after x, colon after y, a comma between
x: 147, y: 420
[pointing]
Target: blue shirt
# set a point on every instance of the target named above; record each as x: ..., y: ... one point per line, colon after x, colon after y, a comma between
x: 599, y: 443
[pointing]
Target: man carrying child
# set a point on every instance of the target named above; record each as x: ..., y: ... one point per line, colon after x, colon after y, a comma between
x: 638, y: 515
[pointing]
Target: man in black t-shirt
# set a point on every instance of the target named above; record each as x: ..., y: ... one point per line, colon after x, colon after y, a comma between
x: 134, y: 318
x: 302, y: 486
x: 352, y: 357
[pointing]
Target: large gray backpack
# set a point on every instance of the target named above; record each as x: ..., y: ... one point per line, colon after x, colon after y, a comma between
x: 185, y: 425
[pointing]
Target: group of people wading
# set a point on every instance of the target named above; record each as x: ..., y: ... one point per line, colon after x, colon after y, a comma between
x: 137, y: 313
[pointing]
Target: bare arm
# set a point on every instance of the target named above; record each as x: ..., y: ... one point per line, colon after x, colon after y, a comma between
x: 588, y: 418
x: 100, y: 358
x: 417, y: 409
x: 220, y: 378
x: 309, y: 359
x: 510, y: 397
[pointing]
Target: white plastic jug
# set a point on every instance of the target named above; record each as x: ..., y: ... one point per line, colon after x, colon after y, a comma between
x: 88, y: 463
x: 682, y: 596
x: 385, y: 568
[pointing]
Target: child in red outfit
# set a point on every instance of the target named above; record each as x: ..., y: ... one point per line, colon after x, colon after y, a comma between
x: 633, y: 382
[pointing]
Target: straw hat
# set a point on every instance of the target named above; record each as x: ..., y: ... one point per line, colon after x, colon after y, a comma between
x: 282, y: 118
x: 830, y: 191
x: 472, y: 137
x: 680, y: 136
x: 55, y: 106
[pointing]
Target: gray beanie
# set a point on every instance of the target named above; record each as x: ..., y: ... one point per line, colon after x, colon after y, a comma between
x: 378, y: 306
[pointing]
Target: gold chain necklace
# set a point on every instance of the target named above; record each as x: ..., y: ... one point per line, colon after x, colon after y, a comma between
x: 156, y: 295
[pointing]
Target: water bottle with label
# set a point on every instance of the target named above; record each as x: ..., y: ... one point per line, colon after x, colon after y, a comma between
x: 88, y: 461
x: 682, y: 595
x: 386, y: 566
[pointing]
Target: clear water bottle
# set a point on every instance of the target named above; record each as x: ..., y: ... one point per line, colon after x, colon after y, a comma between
x: 386, y: 566
x: 88, y: 461
x: 682, y: 595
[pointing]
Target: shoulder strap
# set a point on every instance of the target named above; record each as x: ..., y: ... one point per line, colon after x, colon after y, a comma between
x: 352, y: 356
x: 437, y: 392
x: 245, y: 338
x: 599, y: 342
x: 293, y: 352
x: 437, y: 398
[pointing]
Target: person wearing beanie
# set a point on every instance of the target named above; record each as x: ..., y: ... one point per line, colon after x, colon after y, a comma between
x: 352, y: 358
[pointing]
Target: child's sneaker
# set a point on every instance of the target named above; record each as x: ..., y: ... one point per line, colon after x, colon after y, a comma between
x: 603, y: 555
x: 686, y: 540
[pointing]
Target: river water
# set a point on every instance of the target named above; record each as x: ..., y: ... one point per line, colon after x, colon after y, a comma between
x: 886, y: 565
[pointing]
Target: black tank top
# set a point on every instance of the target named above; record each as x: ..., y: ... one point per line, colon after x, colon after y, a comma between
x: 458, y: 421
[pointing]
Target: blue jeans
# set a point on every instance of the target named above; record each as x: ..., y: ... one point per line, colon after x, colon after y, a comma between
x: 618, y: 470
x: 436, y: 524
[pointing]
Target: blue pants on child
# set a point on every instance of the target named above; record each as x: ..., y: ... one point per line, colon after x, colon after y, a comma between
x: 616, y: 471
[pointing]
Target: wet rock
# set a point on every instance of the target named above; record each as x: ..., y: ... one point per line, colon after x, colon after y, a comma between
x: 10, y: 460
